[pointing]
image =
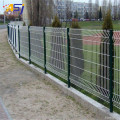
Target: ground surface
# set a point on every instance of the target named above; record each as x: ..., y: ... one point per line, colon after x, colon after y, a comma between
x: 28, y: 97
x: 3, y: 26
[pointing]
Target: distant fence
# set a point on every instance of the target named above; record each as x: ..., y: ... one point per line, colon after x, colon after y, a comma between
x: 88, y: 59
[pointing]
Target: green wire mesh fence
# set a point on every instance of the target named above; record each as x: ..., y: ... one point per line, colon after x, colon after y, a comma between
x: 88, y: 59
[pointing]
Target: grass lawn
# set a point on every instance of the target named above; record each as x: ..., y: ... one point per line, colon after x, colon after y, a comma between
x: 95, y: 25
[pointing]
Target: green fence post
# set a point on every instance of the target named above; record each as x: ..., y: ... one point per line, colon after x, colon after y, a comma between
x: 12, y: 36
x: 44, y: 38
x: 19, y: 40
x: 111, y: 65
x: 29, y: 44
x: 15, y: 38
x: 8, y: 32
x: 68, y: 57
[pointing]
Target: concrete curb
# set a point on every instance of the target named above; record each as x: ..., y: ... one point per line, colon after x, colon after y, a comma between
x: 101, y: 112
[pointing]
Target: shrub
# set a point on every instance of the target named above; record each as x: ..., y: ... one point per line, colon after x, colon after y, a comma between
x: 56, y: 22
x: 75, y: 24
x: 24, y: 24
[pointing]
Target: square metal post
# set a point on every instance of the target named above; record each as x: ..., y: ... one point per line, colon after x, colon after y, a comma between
x: 29, y: 45
x: 44, y: 40
x: 111, y: 71
x: 68, y: 56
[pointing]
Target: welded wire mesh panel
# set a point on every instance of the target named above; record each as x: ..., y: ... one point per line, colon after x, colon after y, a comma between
x: 24, y: 45
x: 56, y: 47
x: 89, y: 61
x: 36, y: 45
x: 116, y: 91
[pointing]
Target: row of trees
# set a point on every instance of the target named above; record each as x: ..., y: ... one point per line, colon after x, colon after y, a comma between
x: 114, y: 7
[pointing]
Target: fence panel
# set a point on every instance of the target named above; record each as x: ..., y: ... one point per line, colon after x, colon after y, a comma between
x: 116, y: 82
x: 24, y: 44
x: 36, y: 45
x: 56, y: 51
x: 90, y: 61
x: 90, y: 57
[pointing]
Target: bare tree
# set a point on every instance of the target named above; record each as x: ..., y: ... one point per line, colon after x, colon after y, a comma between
x: 115, y: 10
x: 119, y: 10
x: 90, y: 9
x: 68, y: 11
x: 104, y: 8
x: 96, y: 9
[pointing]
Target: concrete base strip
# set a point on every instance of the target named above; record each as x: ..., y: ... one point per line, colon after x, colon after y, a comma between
x: 100, y: 111
x: 4, y: 115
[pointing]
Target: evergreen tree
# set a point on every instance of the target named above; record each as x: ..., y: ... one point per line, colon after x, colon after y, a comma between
x: 107, y: 25
x: 56, y: 22
x: 76, y: 14
x: 86, y: 15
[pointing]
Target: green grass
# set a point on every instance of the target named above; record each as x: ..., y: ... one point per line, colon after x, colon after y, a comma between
x: 95, y: 25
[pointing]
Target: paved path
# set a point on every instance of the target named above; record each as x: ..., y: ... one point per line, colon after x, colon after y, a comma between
x: 3, y: 26
x: 29, y: 97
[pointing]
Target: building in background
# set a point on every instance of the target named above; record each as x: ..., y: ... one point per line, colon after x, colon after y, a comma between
x: 61, y: 8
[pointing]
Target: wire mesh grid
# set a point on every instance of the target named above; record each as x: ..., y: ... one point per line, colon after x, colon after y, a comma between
x: 16, y: 37
x: 89, y: 56
x: 56, y: 51
x: 36, y: 45
x: 116, y: 82
x: 88, y: 61
x: 24, y: 44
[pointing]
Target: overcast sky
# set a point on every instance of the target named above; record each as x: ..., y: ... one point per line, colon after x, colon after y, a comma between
x: 20, y: 1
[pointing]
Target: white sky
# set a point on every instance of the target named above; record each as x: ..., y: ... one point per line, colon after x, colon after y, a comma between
x: 20, y: 1
x: 8, y: 2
